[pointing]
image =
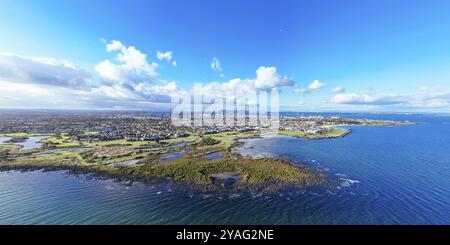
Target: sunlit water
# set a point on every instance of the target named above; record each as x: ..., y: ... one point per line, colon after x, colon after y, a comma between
x: 32, y: 142
x: 378, y: 175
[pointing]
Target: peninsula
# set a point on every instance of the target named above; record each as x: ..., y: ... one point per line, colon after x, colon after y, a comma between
x: 148, y: 148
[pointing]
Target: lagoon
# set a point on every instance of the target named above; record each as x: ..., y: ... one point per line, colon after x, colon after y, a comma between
x: 32, y: 142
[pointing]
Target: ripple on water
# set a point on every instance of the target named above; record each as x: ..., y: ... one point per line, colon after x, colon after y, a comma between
x: 395, y: 175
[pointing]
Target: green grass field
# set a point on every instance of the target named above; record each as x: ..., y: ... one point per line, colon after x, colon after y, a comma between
x: 331, y: 133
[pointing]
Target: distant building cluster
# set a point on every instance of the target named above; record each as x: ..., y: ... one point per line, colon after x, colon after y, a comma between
x: 141, y: 126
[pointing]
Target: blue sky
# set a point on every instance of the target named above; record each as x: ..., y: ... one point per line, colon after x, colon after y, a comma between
x: 323, y: 55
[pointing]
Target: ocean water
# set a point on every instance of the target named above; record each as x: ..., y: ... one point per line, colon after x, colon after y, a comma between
x: 377, y: 175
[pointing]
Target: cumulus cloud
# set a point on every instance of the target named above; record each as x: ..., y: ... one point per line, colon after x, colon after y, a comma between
x: 161, y: 93
x: 338, y: 89
x: 128, y: 81
x: 167, y: 56
x: 113, y: 46
x: 169, y: 88
x: 45, y: 71
x: 132, y: 77
x: 266, y: 79
x: 129, y: 67
x: 315, y: 85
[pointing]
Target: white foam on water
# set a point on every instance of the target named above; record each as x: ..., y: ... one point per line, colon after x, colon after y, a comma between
x: 341, y: 175
x: 315, y: 194
x: 345, y: 182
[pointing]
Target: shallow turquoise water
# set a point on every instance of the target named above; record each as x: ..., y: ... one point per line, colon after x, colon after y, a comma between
x: 378, y: 175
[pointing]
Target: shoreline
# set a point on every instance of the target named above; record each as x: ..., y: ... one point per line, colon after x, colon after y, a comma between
x: 189, y: 168
x: 336, y: 133
x: 315, y: 177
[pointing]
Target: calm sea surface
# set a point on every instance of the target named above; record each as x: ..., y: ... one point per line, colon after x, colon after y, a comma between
x: 378, y: 175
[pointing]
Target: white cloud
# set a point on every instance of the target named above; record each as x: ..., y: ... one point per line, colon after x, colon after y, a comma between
x: 18, y: 95
x: 139, y: 97
x: 30, y: 82
x: 435, y: 103
x: 421, y: 99
x: 23, y: 95
x: 134, y: 78
x: 302, y: 90
x: 431, y: 98
x: 114, y: 91
x: 352, y: 98
x: 266, y: 79
x: 216, y: 65
x: 338, y: 89
x: 167, y: 56
x: 45, y: 71
x: 316, y: 85
x: 169, y: 88
x: 367, y: 99
x: 113, y: 46
x: 141, y: 92
x: 131, y: 66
